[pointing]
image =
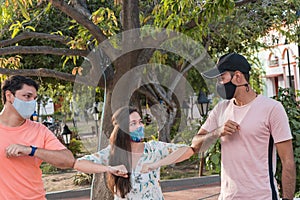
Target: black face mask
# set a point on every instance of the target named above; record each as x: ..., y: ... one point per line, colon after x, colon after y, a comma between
x: 227, y: 90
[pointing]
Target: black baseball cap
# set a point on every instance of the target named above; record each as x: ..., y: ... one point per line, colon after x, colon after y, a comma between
x: 229, y: 62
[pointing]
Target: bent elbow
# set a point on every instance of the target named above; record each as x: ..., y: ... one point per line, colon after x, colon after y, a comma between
x: 68, y: 161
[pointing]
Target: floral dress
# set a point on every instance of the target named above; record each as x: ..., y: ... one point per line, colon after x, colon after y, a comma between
x: 145, y: 186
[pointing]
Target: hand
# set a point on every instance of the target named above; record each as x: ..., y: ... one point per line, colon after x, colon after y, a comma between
x: 15, y: 150
x: 147, y: 167
x: 119, y: 170
x: 230, y: 127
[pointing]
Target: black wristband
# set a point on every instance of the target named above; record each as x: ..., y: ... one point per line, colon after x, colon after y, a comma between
x: 285, y: 199
x: 33, y: 149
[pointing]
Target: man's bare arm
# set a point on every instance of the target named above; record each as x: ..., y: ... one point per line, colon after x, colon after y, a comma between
x: 288, y: 177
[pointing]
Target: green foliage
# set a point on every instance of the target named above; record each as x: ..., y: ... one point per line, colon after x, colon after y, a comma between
x: 6, y: 13
x: 180, y: 170
x: 213, y: 158
x: 292, y: 108
x: 256, y: 79
x: 151, y: 131
x: 186, y: 135
x: 83, y: 179
x: 75, y: 146
x: 49, y: 169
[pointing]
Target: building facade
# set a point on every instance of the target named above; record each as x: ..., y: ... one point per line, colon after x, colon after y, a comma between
x: 281, y: 64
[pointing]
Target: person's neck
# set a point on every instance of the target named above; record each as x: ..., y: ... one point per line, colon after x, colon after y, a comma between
x: 245, y: 97
x: 137, y: 147
x: 10, y: 119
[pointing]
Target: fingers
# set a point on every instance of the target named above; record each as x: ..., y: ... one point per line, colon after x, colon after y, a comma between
x: 13, y: 150
x: 230, y: 127
x: 119, y: 171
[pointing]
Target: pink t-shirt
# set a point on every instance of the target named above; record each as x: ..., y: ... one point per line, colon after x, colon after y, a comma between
x: 21, y: 177
x: 249, y: 156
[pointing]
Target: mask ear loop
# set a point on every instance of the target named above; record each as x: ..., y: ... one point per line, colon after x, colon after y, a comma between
x: 246, y: 84
x: 247, y: 87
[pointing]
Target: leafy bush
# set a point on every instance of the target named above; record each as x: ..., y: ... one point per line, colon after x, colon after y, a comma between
x: 292, y: 108
x: 83, y: 179
x: 213, y: 158
x: 75, y: 146
x: 49, y: 169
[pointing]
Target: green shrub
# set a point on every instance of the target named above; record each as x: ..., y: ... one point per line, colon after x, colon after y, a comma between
x: 83, y: 179
x: 213, y: 158
x: 292, y: 108
x: 49, y: 169
x: 75, y: 146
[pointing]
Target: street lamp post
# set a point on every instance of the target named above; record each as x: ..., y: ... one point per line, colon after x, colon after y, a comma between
x: 203, y: 105
x: 288, y: 61
x: 96, y: 117
x: 66, y: 134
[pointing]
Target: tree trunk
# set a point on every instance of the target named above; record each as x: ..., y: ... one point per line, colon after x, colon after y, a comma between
x: 99, y: 188
x: 162, y: 115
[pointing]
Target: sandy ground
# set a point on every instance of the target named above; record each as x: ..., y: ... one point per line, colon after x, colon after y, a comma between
x: 60, y: 182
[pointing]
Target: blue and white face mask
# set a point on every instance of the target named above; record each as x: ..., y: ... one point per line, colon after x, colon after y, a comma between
x: 137, y: 135
x: 24, y: 108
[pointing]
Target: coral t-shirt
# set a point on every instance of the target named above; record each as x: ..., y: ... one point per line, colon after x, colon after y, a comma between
x: 249, y: 156
x: 21, y: 177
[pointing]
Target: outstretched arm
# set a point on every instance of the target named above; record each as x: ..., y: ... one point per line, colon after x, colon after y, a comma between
x: 87, y: 166
x: 179, y: 155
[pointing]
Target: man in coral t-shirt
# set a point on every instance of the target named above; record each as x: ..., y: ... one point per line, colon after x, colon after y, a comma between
x: 25, y: 144
x: 251, y: 128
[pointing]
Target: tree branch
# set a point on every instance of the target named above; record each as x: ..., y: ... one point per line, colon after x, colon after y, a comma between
x: 148, y: 94
x: 42, y: 50
x: 131, y: 19
x: 29, y: 35
x: 84, y: 21
x: 43, y: 72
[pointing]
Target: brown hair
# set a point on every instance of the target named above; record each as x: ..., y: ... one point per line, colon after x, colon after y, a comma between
x: 14, y: 83
x: 120, y: 152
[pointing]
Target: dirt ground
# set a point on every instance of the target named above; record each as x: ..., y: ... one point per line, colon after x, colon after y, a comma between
x: 60, y: 182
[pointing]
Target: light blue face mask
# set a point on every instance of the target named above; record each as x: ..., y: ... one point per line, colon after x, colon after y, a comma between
x: 137, y: 135
x: 24, y: 108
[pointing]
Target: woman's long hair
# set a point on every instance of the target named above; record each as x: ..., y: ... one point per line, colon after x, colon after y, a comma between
x: 120, y: 152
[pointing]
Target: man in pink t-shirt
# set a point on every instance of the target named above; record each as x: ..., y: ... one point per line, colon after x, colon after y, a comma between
x: 251, y: 128
x: 25, y: 144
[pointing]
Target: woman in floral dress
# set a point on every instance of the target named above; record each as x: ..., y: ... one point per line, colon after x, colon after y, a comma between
x: 133, y: 165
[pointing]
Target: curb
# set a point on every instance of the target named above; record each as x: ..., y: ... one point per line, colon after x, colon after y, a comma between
x: 167, y: 186
x: 188, y: 183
